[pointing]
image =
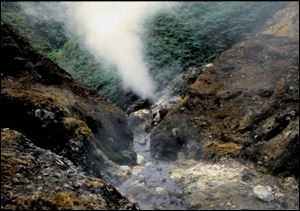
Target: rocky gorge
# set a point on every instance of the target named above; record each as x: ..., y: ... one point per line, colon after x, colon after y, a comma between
x: 221, y: 136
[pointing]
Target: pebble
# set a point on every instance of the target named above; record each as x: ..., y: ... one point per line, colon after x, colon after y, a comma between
x: 140, y: 159
x: 124, y: 168
x: 66, y: 185
x: 76, y: 184
x: 58, y: 175
x: 174, y: 132
x: 15, y: 179
x: 293, y: 113
x: 37, y: 113
x: 279, y: 195
x: 263, y: 192
x: 209, y: 65
x: 160, y: 191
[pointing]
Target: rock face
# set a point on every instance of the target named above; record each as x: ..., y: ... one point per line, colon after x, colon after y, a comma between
x: 57, y: 113
x: 35, y: 178
x: 244, y: 105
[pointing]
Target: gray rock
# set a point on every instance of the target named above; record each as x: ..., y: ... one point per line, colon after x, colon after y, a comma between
x: 76, y: 184
x: 141, y: 140
x: 140, y: 159
x: 161, y: 191
x: 175, y: 131
x: 58, y: 175
x: 263, y: 192
x: 37, y: 113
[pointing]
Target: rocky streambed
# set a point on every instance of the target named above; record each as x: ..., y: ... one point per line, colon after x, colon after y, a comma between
x: 150, y: 183
x: 189, y: 183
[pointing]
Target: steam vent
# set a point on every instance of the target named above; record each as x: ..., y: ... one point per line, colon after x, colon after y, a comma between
x: 149, y: 105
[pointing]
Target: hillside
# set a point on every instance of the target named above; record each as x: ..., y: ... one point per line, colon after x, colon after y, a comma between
x: 43, y: 102
x: 246, y: 105
x: 174, y: 40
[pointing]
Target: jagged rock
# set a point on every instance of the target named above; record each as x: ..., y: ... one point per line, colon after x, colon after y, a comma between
x: 175, y: 131
x: 139, y: 104
x: 48, y: 183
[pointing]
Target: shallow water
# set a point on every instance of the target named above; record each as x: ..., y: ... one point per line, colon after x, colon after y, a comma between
x: 150, y: 184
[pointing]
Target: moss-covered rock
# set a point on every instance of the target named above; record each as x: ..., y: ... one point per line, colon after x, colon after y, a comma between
x: 76, y: 127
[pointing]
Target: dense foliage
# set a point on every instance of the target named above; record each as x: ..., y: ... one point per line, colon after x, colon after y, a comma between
x: 191, y: 34
x: 194, y: 33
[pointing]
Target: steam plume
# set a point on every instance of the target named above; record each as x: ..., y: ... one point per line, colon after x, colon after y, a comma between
x: 111, y: 31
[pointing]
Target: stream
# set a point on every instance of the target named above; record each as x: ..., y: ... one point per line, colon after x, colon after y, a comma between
x: 150, y: 184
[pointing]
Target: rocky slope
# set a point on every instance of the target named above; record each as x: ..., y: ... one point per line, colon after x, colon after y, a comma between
x: 71, y: 122
x: 57, y: 113
x: 246, y: 105
x: 35, y: 178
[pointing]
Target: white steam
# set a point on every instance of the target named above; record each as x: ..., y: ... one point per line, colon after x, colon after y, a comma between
x: 111, y: 32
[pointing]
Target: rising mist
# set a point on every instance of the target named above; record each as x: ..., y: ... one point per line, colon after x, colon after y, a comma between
x: 111, y: 31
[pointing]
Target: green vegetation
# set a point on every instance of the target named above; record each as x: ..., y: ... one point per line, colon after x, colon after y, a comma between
x: 43, y: 36
x: 85, y: 68
x: 195, y: 33
x: 50, y: 39
x: 191, y: 34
